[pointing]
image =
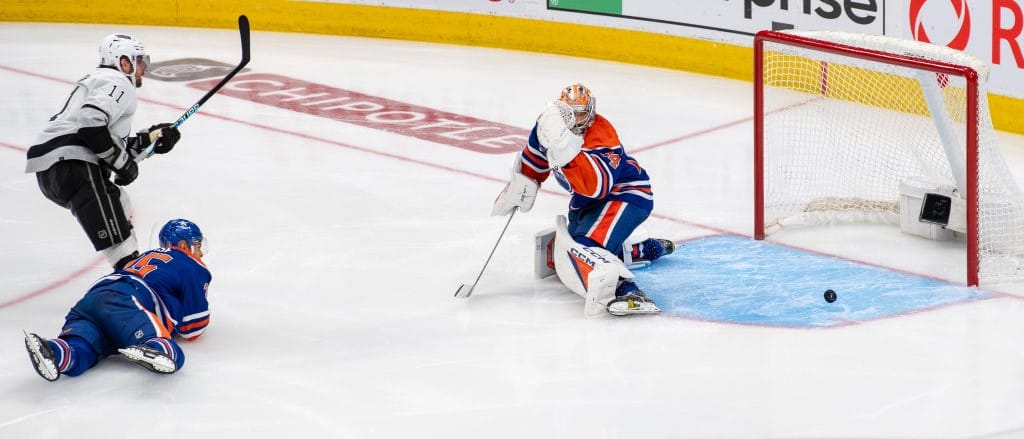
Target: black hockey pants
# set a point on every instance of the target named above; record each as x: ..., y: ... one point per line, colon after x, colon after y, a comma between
x: 86, y: 190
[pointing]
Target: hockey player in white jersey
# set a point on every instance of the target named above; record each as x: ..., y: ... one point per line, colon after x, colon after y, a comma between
x: 89, y: 139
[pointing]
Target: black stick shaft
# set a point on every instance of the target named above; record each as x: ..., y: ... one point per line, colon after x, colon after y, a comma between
x: 243, y: 31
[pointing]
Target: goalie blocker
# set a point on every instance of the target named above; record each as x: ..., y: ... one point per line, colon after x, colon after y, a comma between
x: 591, y: 272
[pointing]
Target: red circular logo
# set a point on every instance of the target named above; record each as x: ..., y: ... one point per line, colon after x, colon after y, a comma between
x: 963, y: 15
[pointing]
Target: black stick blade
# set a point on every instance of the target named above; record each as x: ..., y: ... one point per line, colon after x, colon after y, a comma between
x: 243, y: 32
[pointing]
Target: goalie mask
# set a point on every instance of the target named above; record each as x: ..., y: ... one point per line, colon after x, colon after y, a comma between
x: 578, y: 97
x: 114, y: 46
x: 178, y: 230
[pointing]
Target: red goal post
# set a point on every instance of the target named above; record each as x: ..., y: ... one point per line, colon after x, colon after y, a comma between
x: 819, y: 53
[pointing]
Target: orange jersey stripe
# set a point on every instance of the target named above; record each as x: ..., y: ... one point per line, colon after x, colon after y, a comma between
x: 599, y: 233
x: 161, y: 330
x: 539, y: 177
x: 620, y: 189
x: 534, y: 157
x: 193, y: 325
x: 587, y: 175
x: 192, y: 336
x: 582, y: 175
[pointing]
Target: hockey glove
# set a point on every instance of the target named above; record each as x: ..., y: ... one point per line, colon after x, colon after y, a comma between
x: 127, y: 174
x: 554, y: 134
x: 521, y: 191
x: 165, y: 135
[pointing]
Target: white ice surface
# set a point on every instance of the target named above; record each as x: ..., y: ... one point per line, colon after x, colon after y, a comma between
x: 334, y: 265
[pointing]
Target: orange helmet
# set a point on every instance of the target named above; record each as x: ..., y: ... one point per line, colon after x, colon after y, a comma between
x: 582, y: 102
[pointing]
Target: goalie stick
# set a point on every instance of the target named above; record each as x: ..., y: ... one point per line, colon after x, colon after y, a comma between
x: 243, y: 32
x: 464, y: 290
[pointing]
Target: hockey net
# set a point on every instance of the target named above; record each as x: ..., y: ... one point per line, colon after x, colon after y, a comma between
x: 846, y: 123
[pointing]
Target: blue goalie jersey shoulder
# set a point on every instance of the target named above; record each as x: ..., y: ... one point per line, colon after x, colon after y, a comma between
x: 180, y: 282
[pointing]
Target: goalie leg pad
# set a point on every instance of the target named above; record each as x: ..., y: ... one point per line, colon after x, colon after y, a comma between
x: 591, y: 272
x: 639, y: 235
x: 543, y: 264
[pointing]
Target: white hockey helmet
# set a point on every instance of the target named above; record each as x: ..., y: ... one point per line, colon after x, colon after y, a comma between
x: 114, y: 46
x: 578, y: 97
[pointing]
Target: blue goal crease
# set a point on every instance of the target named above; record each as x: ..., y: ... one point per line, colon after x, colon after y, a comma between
x: 740, y: 280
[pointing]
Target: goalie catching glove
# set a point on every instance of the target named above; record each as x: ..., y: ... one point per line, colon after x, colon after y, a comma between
x: 521, y: 191
x: 556, y: 136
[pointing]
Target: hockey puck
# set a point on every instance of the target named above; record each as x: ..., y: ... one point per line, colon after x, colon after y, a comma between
x: 830, y: 296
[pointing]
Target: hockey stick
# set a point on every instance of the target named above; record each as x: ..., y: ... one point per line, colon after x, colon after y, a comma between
x: 243, y: 32
x: 465, y: 290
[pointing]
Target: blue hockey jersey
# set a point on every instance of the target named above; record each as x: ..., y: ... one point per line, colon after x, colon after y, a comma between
x: 172, y: 285
x: 601, y: 171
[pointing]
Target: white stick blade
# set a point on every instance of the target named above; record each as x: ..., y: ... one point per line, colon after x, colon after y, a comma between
x: 464, y: 291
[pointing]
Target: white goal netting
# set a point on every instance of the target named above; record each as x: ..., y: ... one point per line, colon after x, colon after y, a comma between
x: 841, y: 133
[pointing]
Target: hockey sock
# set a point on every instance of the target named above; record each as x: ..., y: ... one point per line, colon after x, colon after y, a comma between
x: 74, y: 355
x: 652, y: 249
x: 626, y: 287
x: 61, y: 354
x: 637, y: 252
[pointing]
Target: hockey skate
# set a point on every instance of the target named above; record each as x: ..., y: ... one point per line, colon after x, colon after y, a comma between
x: 630, y: 300
x: 652, y: 249
x: 149, y: 358
x: 43, y: 359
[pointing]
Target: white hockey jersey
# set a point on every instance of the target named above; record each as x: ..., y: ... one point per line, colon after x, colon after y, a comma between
x: 105, y: 97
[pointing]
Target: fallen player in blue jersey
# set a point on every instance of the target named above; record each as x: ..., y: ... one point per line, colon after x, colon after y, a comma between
x: 135, y: 311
